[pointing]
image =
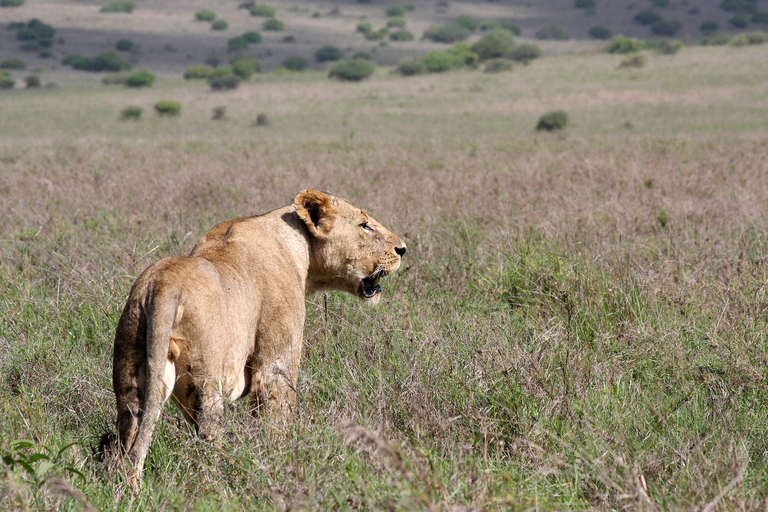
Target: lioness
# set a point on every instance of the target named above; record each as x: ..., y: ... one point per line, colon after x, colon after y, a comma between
x: 227, y: 320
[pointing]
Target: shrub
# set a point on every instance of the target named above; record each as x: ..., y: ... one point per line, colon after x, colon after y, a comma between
x: 464, y: 54
x: 584, y: 4
x: 739, y: 21
x: 36, y: 30
x: 669, y: 47
x: 168, y: 108
x: 364, y: 27
x: 262, y: 10
x: 438, y: 62
x: 749, y: 38
x: 647, y: 17
x: 555, y: 120
x: 633, y: 61
x: 110, y: 61
x: 525, y: 52
x: 401, y: 36
x: 487, y: 25
x: 494, y: 45
x: 515, y: 29
x: 737, y: 6
x: 667, y: 27
x: 219, y: 25
x: 124, y: 45
x: 7, y: 83
x: 600, y: 32
x: 361, y: 55
x: 328, y: 54
x: 709, y: 26
x: 467, y: 22
x: 131, y: 112
x: 45, y: 53
x: 11, y: 3
x: 411, y: 67
x: 236, y: 44
x: 497, y: 65
x: 12, y: 64
x: 294, y: 63
x: 224, y: 81
x: 262, y: 120
x: 79, y: 62
x: 252, y: 37
x: 199, y: 72
x: 245, y: 68
x: 354, y: 70
x: 398, y: 22
x: 205, y: 15
x: 716, y: 38
x: 32, y: 81
x: 213, y: 59
x: 140, y: 79
x: 395, y: 10
x: 273, y: 24
x: 553, y: 31
x: 660, y: 4
x: 378, y: 34
x: 624, y: 45
x: 219, y: 113
x: 760, y: 17
x: 119, y: 6
x: 114, y: 79
x: 449, y: 33
x: 16, y: 25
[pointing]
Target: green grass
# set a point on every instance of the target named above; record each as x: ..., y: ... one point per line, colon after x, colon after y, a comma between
x: 548, y: 342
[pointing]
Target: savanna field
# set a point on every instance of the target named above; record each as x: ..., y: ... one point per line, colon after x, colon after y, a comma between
x: 580, y: 322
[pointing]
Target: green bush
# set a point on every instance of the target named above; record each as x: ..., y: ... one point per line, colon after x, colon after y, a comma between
x: 361, y: 55
x: 555, y: 120
x: 110, y: 61
x: 739, y: 21
x: 245, y: 68
x: 264, y: 11
x: 236, y: 44
x: 262, y: 120
x: 213, y: 59
x: 140, y: 79
x: 79, y: 62
x: 205, y: 15
x: 553, y: 31
x: 398, y: 22
x: 354, y: 70
x: 738, y: 6
x: 224, y: 81
x: 487, y: 25
x: 525, y: 52
x: 36, y: 30
x: 364, y: 27
x: 438, y: 62
x: 11, y: 3
x: 669, y: 47
x: 395, y: 10
x: 647, y: 17
x: 449, y: 33
x: 131, y: 112
x: 411, y: 67
x: 294, y: 63
x: 219, y: 113
x: 168, y: 108
x: 328, y: 54
x: 401, y: 36
x: 512, y: 27
x: 119, y: 6
x: 497, y: 65
x: 760, y: 17
x: 494, y: 45
x: 716, y: 38
x: 7, y: 83
x: 600, y: 32
x: 625, y: 45
x: 660, y: 4
x: 32, y: 81
x: 667, y: 27
x: 633, y: 61
x: 464, y: 54
x: 584, y: 4
x: 219, y: 25
x: 252, y: 37
x: 749, y: 38
x: 273, y: 24
x: 199, y: 72
x: 13, y: 64
x: 467, y: 22
x: 378, y: 34
x: 16, y: 25
x: 709, y: 26
x: 124, y: 45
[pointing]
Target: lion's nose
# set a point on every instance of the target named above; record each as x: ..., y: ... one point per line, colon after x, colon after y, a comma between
x: 400, y: 250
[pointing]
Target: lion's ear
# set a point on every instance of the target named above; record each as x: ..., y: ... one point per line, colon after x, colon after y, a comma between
x: 317, y: 211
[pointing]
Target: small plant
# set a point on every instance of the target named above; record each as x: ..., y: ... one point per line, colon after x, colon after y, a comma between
x: 625, y: 45
x: 449, y: 33
x: 126, y: 6
x: 497, y: 66
x: 294, y: 63
x: 667, y: 27
x: 749, y: 38
x: 262, y: 120
x: 205, y: 15
x: 551, y: 121
x: 131, y: 113
x: 467, y: 22
x: 669, y: 47
x: 739, y: 21
x: 328, y: 54
x: 13, y: 64
x: 633, y: 61
x: 219, y: 25
x: 364, y: 27
x: 439, y: 62
x: 494, y: 45
x: 401, y: 36
x: 716, y: 38
x: 6, y: 82
x: 236, y: 44
x: 411, y: 67
x: 169, y: 108
x: 219, y: 113
x: 600, y: 32
x: 354, y: 70
x: 584, y: 4
x: 395, y: 10
x: 246, y: 67
x: 398, y: 22
x: 663, y: 218
x: 264, y: 11
x: 124, y: 45
x: 252, y: 37
x: 647, y: 17
x: 110, y: 61
x: 225, y: 81
x: 273, y: 24
x: 552, y: 31
x: 11, y: 3
x: 525, y: 52
x: 140, y: 79
x: 32, y: 81
x: 199, y: 72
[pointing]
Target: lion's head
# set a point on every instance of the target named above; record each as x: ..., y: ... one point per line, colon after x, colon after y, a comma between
x: 351, y: 250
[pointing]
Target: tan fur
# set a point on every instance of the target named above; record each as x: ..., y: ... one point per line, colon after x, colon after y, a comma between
x: 227, y: 321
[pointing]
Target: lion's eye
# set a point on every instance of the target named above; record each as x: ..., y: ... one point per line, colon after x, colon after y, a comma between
x: 366, y: 227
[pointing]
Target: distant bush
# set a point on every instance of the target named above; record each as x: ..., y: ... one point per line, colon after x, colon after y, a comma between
x: 738, y: 6
x: 401, y: 36
x: 624, y: 45
x: 78, y: 62
x: 515, y: 29
x: 449, y: 33
x: 398, y: 22
x: 245, y: 68
x: 252, y: 37
x: 487, y: 25
x: 11, y: 3
x: 709, y: 26
x: 13, y: 64
x: 236, y: 44
x: 600, y: 32
x: 555, y: 120
x: 294, y: 63
x: 199, y: 72
x: 378, y: 34
x: 224, y: 81
x: 110, y: 61
x: 168, y: 108
x: 749, y: 38
x: 739, y: 21
x: 219, y: 113
x: 140, y: 79
x: 114, y: 79
x: 525, y: 52
x: 219, y: 25
x: 497, y: 65
x: 213, y: 59
x: 669, y: 47
x: 464, y: 54
x: 647, y: 17
x: 364, y: 27
x: 273, y: 24
x: 760, y: 17
x: 584, y: 4
x: 438, y: 62
x: 494, y: 45
x: 354, y: 70
x: 667, y: 27
x: 262, y: 120
x: 36, y: 30
x: 716, y: 38
x: 395, y: 10
x: 361, y: 55
x: 328, y: 54
x: 16, y: 25
x: 205, y: 15
x: 119, y: 6
x: 660, y: 4
x: 124, y: 45
x: 553, y: 31
x: 633, y: 61
x: 7, y: 83
x: 411, y: 67
x: 32, y: 81
x: 131, y: 112
x: 468, y: 22
x: 264, y: 11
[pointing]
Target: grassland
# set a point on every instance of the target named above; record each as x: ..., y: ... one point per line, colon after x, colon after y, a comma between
x: 581, y: 321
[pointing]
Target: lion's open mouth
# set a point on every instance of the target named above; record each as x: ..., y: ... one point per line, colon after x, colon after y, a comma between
x: 370, y: 287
